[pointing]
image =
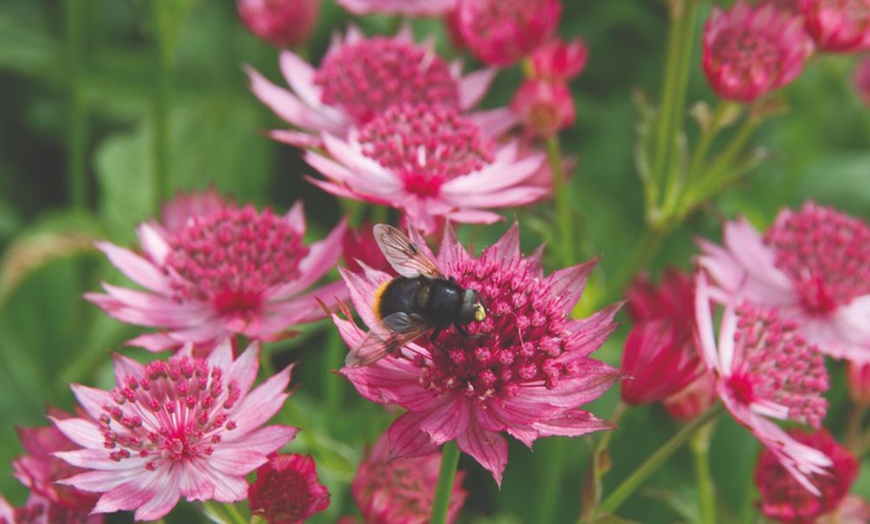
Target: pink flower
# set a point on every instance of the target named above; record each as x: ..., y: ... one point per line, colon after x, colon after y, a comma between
x: 765, y: 370
x: 41, y: 469
x: 398, y: 7
x: 785, y: 500
x: 183, y: 427
x: 361, y: 77
x: 429, y: 162
x: 811, y: 265
x: 40, y: 510
x: 282, y: 23
x: 693, y: 400
x: 544, y: 107
x: 500, y: 32
x: 359, y: 246
x: 560, y: 61
x: 838, y: 26
x: 861, y: 79
x: 401, y: 491
x: 660, y: 357
x: 525, y: 369
x: 750, y: 51
x: 221, y: 270
x: 287, y: 490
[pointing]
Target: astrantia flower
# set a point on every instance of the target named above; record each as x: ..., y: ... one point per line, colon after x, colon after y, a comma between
x: 785, y: 500
x: 398, y: 7
x: 500, y: 32
x: 560, y: 61
x: 544, y: 107
x: 359, y: 246
x: 429, y: 162
x: 361, y: 77
x: 40, y: 469
x: 283, y: 23
x: 765, y: 370
x: 523, y: 370
x: 40, y: 510
x: 812, y: 265
x: 184, y: 427
x: 401, y: 491
x: 838, y: 26
x: 660, y: 357
x: 287, y: 490
x: 223, y: 270
x: 749, y: 51
x: 861, y: 80
x: 693, y: 400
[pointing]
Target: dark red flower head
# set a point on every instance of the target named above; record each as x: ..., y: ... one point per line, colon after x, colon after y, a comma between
x: 287, y: 490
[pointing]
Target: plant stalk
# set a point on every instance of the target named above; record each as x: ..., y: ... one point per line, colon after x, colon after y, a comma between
x: 449, y: 461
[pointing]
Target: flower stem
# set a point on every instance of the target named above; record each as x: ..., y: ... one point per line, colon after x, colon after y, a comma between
x: 223, y: 512
x: 700, y: 446
x: 600, y: 465
x: 553, y: 457
x: 449, y: 461
x: 75, y: 14
x: 563, y: 205
x: 333, y: 360
x: 652, y: 464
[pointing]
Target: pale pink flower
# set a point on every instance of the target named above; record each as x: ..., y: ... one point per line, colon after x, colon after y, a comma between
x: 183, y: 427
x: 838, y: 26
x: 401, y: 491
x: 765, y: 370
x: 282, y: 23
x: 501, y: 32
x: 40, y: 469
x: 560, y: 61
x: 749, y: 51
x: 287, y: 490
x: 524, y: 370
x: 812, y: 265
x: 785, y: 500
x: 398, y: 7
x: 430, y: 163
x: 40, y: 510
x: 544, y: 107
x: 361, y: 77
x: 220, y: 270
x: 861, y: 79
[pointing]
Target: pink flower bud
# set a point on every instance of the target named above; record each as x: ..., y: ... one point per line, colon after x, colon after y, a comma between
x: 282, y: 23
x: 560, y: 61
x: 861, y: 80
x: 838, y: 26
x: 500, y: 32
x: 287, y: 490
x: 859, y: 382
x: 692, y: 400
x: 544, y: 107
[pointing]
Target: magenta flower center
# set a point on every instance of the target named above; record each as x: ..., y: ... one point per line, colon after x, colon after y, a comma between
x: 395, y: 489
x: 497, y: 19
x: 776, y: 366
x: 369, y: 76
x: 231, y: 256
x: 520, y: 341
x: 825, y: 253
x: 748, y: 56
x: 176, y: 411
x: 425, y: 145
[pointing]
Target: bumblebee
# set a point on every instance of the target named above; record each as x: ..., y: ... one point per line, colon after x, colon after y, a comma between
x: 419, y: 301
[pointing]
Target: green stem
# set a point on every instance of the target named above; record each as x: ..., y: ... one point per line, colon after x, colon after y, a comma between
x: 652, y: 464
x: 563, y: 204
x: 162, y: 96
x: 700, y: 446
x: 76, y: 19
x: 224, y: 512
x: 334, y: 359
x: 600, y: 460
x: 552, y: 455
x: 644, y: 252
x: 449, y: 461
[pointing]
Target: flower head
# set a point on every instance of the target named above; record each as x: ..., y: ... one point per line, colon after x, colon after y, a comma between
x: 765, y: 370
x: 359, y: 78
x: 812, y: 265
x: 749, y: 51
x: 660, y: 357
x: 544, y: 107
x: 430, y: 162
x: 182, y: 427
x: 401, y: 491
x: 861, y: 79
x: 786, y: 500
x: 560, y: 61
x: 838, y: 26
x: 223, y: 270
x: 40, y: 469
x: 500, y: 32
x: 525, y: 369
x: 287, y: 490
x: 398, y: 7
x: 282, y: 23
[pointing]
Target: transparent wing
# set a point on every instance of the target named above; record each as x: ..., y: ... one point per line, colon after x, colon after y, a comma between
x: 387, y: 338
x: 406, y: 258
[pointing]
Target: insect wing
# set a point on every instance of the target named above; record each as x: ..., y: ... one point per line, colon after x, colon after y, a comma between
x: 406, y: 258
x: 388, y: 337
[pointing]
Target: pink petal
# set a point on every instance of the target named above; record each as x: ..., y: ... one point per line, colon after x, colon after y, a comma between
x: 296, y: 138
x: 568, y: 284
x: 138, y: 269
x: 260, y: 404
x: 406, y: 438
x: 572, y: 424
x: 153, y: 243
x: 446, y: 420
x: 83, y: 432
x: 473, y: 87
x: 488, y: 448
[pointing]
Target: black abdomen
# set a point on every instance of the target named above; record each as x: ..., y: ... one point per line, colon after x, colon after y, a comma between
x: 436, y: 301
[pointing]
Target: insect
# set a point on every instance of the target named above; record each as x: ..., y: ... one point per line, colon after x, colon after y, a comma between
x: 420, y: 301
